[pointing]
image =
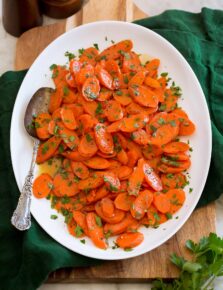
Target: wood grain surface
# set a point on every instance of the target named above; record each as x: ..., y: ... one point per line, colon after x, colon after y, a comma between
x: 202, y: 222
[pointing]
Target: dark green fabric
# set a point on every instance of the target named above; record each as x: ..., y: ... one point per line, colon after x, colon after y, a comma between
x: 199, y: 37
x: 26, y: 258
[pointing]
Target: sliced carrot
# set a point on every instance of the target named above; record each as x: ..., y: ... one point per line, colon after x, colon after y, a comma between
x: 106, y: 156
x: 114, y: 127
x: 55, y: 100
x: 123, y: 97
x: 151, y: 82
x: 89, y: 208
x: 89, y: 107
x: 103, y: 139
x: 98, y: 194
x: 170, y: 101
x: 95, y: 230
x: 73, y: 155
x: 187, y: 128
x: 87, y: 146
x: 130, y: 124
x: 75, y: 66
x: 135, y: 147
x: 80, y: 170
x: 67, y: 165
x: 141, y: 204
x: 80, y: 219
x: 89, y: 55
x: 76, y: 108
x: 175, y: 147
x: 70, y: 79
x: 113, y: 111
x: 136, y: 179
x: 151, y: 177
x: 124, y: 172
x: 140, y: 137
x: 113, y: 68
x: 68, y: 95
x: 122, y: 156
x: 151, y: 151
x: 143, y: 96
x: 169, y: 169
x: 84, y: 73
x: 68, y: 118
x: 131, y: 62
x: 86, y: 122
x: 107, y: 207
x: 152, y: 67
x: 113, y: 52
x: 117, y: 217
x: 91, y: 182
x: 71, y: 226
x: 58, y: 75
x: 138, y: 78
x: 129, y: 240
x: 104, y: 77
x: 47, y: 149
x: 91, y: 89
x: 170, y: 181
x: 124, y: 201
x: 42, y: 124
x: 104, y: 94
x: 111, y: 181
x: 164, y: 134
x: 69, y: 137
x: 97, y: 163
x: 135, y: 108
x: 122, y: 140
x: 162, y: 202
x: 132, y: 158
x: 118, y: 228
x: 64, y: 184
x: 176, y: 157
x: 176, y: 198
x: 42, y: 185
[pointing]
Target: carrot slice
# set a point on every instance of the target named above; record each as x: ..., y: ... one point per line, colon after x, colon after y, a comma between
x: 113, y: 52
x: 97, y: 163
x: 104, y: 77
x: 80, y: 219
x: 135, y: 108
x: 169, y: 169
x: 59, y: 74
x: 123, y: 97
x: 68, y: 95
x: 129, y: 240
x: 152, y: 67
x: 111, y: 181
x: 164, y: 134
x: 103, y: 139
x: 42, y: 185
x: 132, y: 158
x: 84, y: 73
x: 107, y: 207
x: 176, y: 198
x: 143, y: 96
x: 80, y: 170
x: 73, y: 155
x: 120, y: 227
x: 176, y: 147
x: 64, y: 184
x: 171, y: 158
x: 75, y: 66
x: 151, y: 177
x: 151, y: 82
x: 86, y: 122
x: 136, y: 179
x: 124, y: 201
x: 69, y: 137
x: 113, y: 111
x: 141, y: 204
x: 140, y: 137
x: 104, y: 95
x: 171, y: 181
x: 117, y: 217
x: 135, y: 147
x: 71, y: 226
x: 89, y: 55
x: 87, y: 146
x: 114, y: 127
x: 55, y: 101
x: 70, y: 79
x: 97, y: 194
x: 130, y: 124
x: 42, y: 124
x: 131, y: 62
x: 106, y: 156
x: 187, y: 128
x: 138, y: 78
x: 47, y: 149
x: 151, y: 151
x: 95, y: 230
x: 122, y: 156
x: 124, y: 172
x: 91, y: 182
x: 68, y: 118
x: 170, y: 101
x: 113, y: 68
x: 91, y: 89
x: 162, y: 202
x: 67, y: 165
x: 76, y: 108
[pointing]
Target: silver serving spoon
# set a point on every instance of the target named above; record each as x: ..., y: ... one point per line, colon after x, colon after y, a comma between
x: 39, y: 103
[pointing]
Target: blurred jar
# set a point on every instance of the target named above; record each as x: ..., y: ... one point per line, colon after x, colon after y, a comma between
x: 20, y: 15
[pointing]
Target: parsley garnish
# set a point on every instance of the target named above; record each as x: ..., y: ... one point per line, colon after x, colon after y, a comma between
x: 69, y: 55
x: 96, y: 46
x: 53, y: 217
x: 98, y: 221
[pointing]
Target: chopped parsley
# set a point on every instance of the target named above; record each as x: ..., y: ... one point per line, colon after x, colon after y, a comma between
x: 53, y: 217
x: 69, y: 55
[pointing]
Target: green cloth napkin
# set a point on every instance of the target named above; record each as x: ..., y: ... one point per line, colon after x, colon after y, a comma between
x: 27, y: 258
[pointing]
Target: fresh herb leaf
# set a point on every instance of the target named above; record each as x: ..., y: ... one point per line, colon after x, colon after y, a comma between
x: 78, y: 231
x: 53, y: 217
x: 69, y: 55
x: 96, y: 46
x: 98, y: 221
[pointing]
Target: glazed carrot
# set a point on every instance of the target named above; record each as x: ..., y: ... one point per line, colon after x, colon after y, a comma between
x: 151, y: 151
x: 70, y: 79
x: 130, y: 124
x: 76, y: 108
x: 129, y: 240
x: 151, y: 82
x: 107, y: 156
x: 87, y: 146
x: 80, y: 219
x: 64, y: 184
x: 123, y: 97
x: 118, y: 228
x: 71, y: 226
x: 89, y: 107
x: 68, y: 118
x: 170, y: 169
x: 187, y: 128
x: 42, y: 185
x: 47, y: 149
x: 58, y: 75
x: 113, y: 52
x: 132, y: 158
x: 89, y: 55
x: 140, y: 137
x: 55, y: 101
x: 104, y: 95
x: 175, y: 147
x: 95, y: 230
x: 80, y: 170
x: 164, y: 134
x: 111, y: 181
x: 170, y: 181
x: 73, y: 155
x: 135, y: 108
x: 75, y: 66
x: 97, y: 163
x: 136, y: 179
x: 103, y: 139
x: 176, y: 198
x: 122, y: 156
x: 143, y: 96
x: 107, y: 207
x: 138, y: 78
x: 91, y: 89
x: 124, y: 201
x: 104, y: 77
x: 113, y: 111
x: 124, y: 172
x: 170, y: 101
x: 85, y: 72
x: 152, y: 67
x: 114, y: 127
x: 69, y: 137
x: 117, y: 217
x: 42, y: 124
x: 141, y: 204
x: 67, y: 165
x: 162, y: 202
x: 175, y: 157
x: 122, y: 140
x: 131, y: 62
x: 86, y: 122
x: 98, y: 194
x: 151, y: 177
x: 68, y: 95
x: 91, y: 182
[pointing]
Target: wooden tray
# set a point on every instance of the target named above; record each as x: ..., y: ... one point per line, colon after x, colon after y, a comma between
x: 202, y: 222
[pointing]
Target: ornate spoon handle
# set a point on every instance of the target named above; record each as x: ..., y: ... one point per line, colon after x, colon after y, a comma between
x: 21, y: 217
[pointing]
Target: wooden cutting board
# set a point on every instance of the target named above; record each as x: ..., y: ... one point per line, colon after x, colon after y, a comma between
x: 202, y: 221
